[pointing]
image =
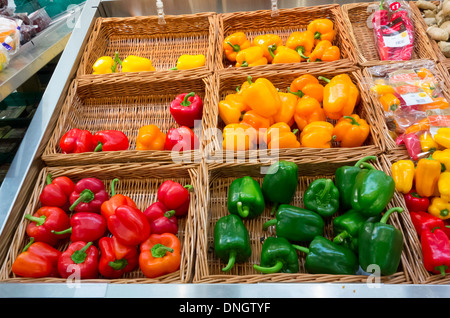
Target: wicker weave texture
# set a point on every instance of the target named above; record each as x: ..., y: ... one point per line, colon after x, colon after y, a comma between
x: 356, y: 16
x: 254, y: 23
x: 143, y: 36
x: 138, y: 181
x: 209, y: 267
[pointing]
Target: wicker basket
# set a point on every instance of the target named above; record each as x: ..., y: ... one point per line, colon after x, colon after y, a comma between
x: 209, y: 267
x: 125, y: 104
x: 254, y: 23
x: 355, y: 17
x: 138, y: 181
x: 421, y: 274
x: 439, y: 71
x: 226, y: 83
x: 163, y: 44
x: 420, y: 22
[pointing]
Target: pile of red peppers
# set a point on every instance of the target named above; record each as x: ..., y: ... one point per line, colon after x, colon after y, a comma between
x: 394, y: 33
x: 108, y: 234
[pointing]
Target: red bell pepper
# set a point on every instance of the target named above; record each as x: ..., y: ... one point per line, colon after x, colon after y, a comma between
x: 77, y: 141
x: 161, y: 219
x: 44, y: 221
x: 116, y: 259
x: 37, y: 259
x: 80, y: 259
x: 109, y: 207
x: 436, y: 251
x: 111, y: 140
x: 425, y: 221
x: 186, y: 109
x: 174, y: 196
x: 181, y: 139
x: 129, y: 225
x: 380, y: 20
x: 85, y: 226
x: 414, y: 202
x: 57, y: 192
x: 88, y: 196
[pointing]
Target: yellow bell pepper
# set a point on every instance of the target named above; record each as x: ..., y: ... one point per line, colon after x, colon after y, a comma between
x: 442, y: 137
x: 134, y: 63
x: 439, y: 208
x: 340, y: 96
x: 269, y: 43
x: 262, y: 97
x: 308, y: 110
x: 403, y: 174
x: 427, y: 175
x: 444, y: 185
x: 234, y: 43
x: 319, y: 50
x: 280, y: 136
x: 186, y: 62
x: 284, y: 54
x: 302, y: 42
x: 427, y: 142
x: 389, y: 101
x: 382, y: 89
x: 231, y: 109
x: 318, y: 134
x: 443, y: 156
x: 323, y: 29
x: 239, y: 137
x: 251, y: 56
x: 286, y: 112
x: 106, y: 64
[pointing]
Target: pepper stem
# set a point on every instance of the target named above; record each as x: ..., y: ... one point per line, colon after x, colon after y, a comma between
x: 341, y: 237
x: 113, y: 186
x: 444, y: 212
x: 249, y: 80
x: 243, y: 211
x: 99, y: 147
x: 272, y: 48
x: 326, y: 189
x: 301, y: 248
x: 301, y: 50
x: 295, y: 131
x: 188, y: 187
x: 66, y: 231
x: 235, y: 47
x: 39, y: 220
x: 353, y: 120
x: 173, y: 69
x: 80, y: 255
x: 297, y: 93
x: 269, y: 223
x: 169, y: 214
x: 366, y: 165
x: 85, y: 196
x: 231, y: 261
x: 49, y: 178
x: 269, y: 270
x: 28, y: 245
x: 389, y: 212
x: 118, y: 264
x: 317, y: 35
x: 244, y: 64
x: 382, y: 5
x: 442, y: 269
x: 159, y: 250
x: 186, y: 101
x: 364, y: 160
x: 116, y: 61
x: 324, y: 79
x: 274, y: 208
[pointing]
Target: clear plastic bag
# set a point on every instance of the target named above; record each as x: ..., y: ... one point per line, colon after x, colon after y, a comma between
x: 10, y: 34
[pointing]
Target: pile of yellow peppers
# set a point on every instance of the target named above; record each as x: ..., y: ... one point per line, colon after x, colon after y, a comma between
x: 260, y: 114
x: 312, y: 45
x: 133, y: 63
x: 428, y: 180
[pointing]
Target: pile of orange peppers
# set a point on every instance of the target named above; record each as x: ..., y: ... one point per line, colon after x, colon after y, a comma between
x: 260, y: 115
x: 313, y: 45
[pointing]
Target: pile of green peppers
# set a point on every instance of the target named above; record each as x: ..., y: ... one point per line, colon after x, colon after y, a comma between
x: 354, y: 203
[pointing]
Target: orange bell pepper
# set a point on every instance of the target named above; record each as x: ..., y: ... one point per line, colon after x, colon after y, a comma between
x: 262, y: 97
x: 351, y: 131
x: 318, y: 134
x: 109, y: 207
x: 421, y: 125
x: 251, y: 56
x: 234, y: 43
x: 239, y: 137
x: 302, y: 42
x: 286, y: 112
x: 308, y: 110
x: 283, y: 54
x: 160, y: 255
x: 269, y: 43
x: 150, y: 138
x: 307, y: 84
x: 389, y: 101
x: 280, y: 136
x: 319, y: 50
x: 323, y: 29
x: 340, y: 96
x: 331, y: 54
x: 231, y: 108
x: 258, y: 122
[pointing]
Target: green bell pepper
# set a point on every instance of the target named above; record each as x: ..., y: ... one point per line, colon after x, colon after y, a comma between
x: 278, y: 255
x: 381, y: 244
x: 344, y: 179
x: 231, y: 241
x: 346, y: 228
x: 372, y: 191
x: 296, y: 224
x: 322, y: 197
x: 280, y: 183
x: 245, y: 198
x: 325, y: 257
